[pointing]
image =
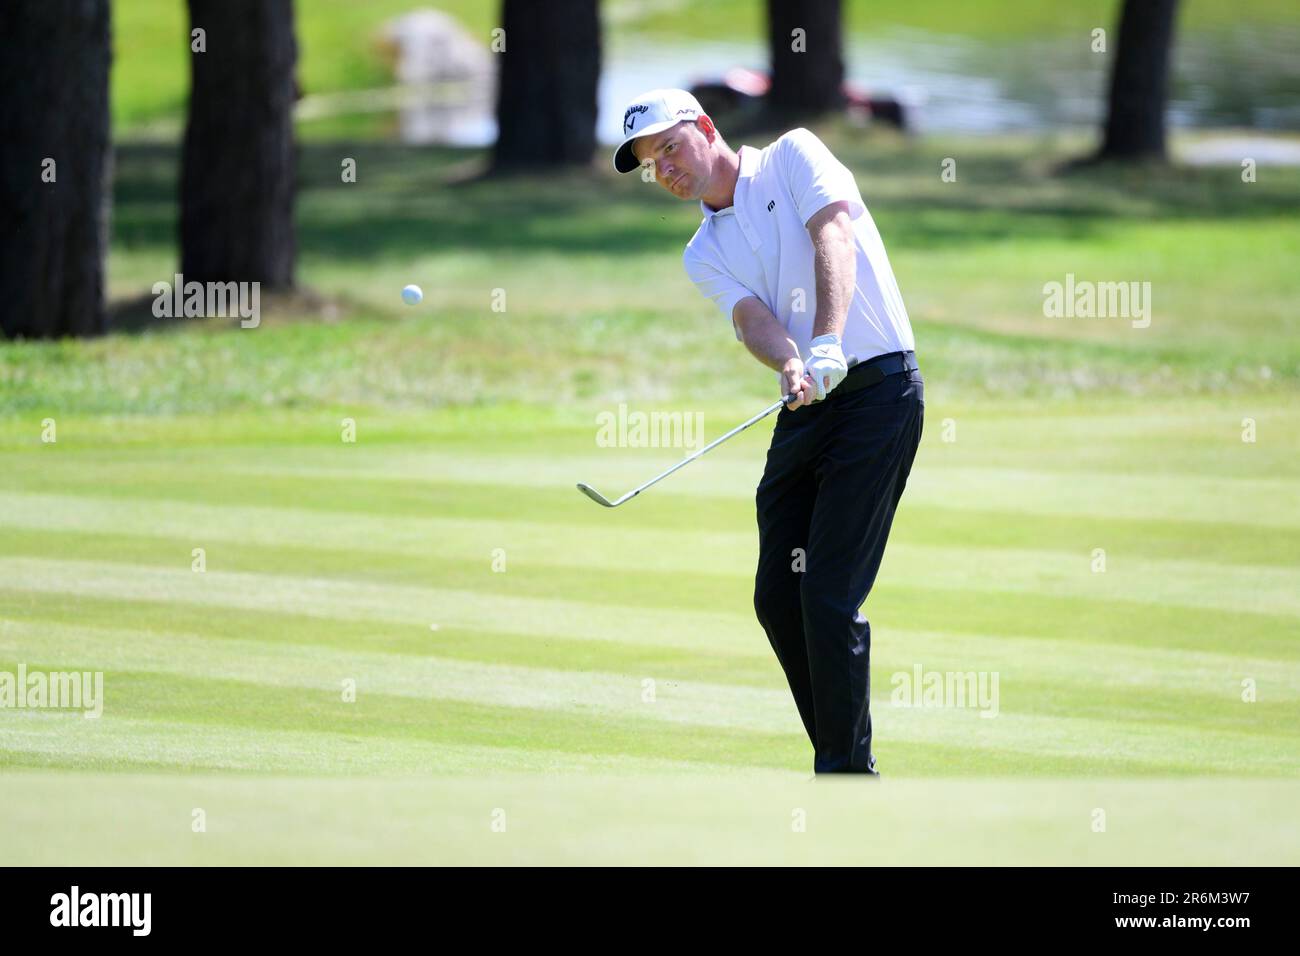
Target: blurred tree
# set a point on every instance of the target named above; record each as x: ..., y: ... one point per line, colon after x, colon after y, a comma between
x: 237, y: 174
x: 546, y: 91
x: 1135, y: 121
x: 54, y: 166
x: 805, y: 41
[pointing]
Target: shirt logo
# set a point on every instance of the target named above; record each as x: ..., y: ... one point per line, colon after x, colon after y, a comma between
x: 629, y: 118
x: 771, y: 205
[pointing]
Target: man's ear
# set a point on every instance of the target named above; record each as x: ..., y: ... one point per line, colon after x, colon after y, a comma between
x: 706, y: 127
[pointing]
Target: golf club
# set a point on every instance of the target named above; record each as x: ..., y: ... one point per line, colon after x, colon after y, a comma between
x: 600, y: 499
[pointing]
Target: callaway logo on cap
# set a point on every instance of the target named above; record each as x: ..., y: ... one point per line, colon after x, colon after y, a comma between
x: 652, y: 113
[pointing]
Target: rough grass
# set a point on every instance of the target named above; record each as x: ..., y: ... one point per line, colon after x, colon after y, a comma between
x: 597, y: 305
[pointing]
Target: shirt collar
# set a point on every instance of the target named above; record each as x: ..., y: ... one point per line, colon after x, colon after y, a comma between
x: 748, y: 166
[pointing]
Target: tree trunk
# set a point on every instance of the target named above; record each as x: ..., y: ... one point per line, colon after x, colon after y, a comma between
x: 54, y: 166
x: 237, y: 175
x: 807, y: 66
x: 546, y: 96
x: 1135, y: 123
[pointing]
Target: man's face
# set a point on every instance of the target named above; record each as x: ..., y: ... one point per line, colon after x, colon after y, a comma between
x: 683, y: 157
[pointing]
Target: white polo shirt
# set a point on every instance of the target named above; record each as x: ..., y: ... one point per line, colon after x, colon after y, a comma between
x: 760, y: 246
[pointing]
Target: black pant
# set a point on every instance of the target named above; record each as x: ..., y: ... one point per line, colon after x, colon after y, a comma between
x: 835, y: 472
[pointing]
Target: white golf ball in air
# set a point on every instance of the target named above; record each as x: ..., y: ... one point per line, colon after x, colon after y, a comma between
x: 411, y: 295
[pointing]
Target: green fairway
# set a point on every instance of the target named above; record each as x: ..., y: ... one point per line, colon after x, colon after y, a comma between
x: 328, y: 561
x: 612, y: 818
x: 623, y: 642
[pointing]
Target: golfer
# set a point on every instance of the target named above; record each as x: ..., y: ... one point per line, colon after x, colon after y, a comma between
x: 788, y: 252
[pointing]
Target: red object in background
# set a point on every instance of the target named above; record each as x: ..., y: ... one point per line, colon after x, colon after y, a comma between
x: 742, y: 90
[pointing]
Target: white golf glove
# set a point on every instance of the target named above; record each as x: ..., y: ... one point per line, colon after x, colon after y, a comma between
x: 826, y: 360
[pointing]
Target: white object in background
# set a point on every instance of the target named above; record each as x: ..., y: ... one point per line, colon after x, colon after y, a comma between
x: 412, y: 295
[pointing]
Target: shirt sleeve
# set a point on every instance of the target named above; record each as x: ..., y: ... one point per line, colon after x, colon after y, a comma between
x: 717, y: 285
x: 815, y: 177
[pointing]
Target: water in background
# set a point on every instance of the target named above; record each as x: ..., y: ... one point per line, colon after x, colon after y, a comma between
x: 1247, y: 76
x: 1242, y: 76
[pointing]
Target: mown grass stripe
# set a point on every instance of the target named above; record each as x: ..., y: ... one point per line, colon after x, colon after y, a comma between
x: 1085, y: 650
x: 1196, y: 690
x: 406, y: 675
x: 727, y: 632
x: 1189, y: 583
x: 178, y: 745
x: 327, y: 600
x: 174, y: 697
x: 545, y: 530
x: 751, y: 664
x: 617, y: 700
x: 1249, y: 499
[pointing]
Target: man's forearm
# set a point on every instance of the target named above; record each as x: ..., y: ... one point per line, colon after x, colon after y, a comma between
x: 835, y: 264
x: 764, y: 336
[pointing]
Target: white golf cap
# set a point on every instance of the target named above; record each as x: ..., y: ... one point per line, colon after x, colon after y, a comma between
x: 652, y: 113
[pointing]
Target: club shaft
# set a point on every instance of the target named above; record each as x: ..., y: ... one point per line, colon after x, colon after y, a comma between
x: 852, y: 361
x: 713, y: 444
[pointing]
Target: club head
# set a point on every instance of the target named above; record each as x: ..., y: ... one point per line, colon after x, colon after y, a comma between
x: 595, y: 495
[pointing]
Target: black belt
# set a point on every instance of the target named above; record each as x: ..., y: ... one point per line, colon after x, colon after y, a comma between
x: 873, y: 371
